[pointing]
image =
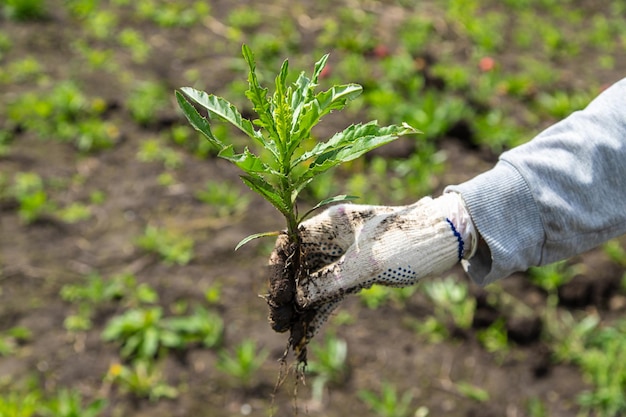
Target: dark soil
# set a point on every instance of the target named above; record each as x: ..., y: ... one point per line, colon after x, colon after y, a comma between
x: 38, y: 259
x: 286, y: 268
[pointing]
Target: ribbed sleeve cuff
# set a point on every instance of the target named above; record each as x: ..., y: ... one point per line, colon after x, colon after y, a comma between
x: 504, y: 212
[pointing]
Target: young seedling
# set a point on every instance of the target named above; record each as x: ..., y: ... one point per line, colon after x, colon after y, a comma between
x: 243, y: 362
x: 142, y: 378
x: 388, y: 403
x: 285, y: 164
x: 70, y: 403
x: 330, y: 365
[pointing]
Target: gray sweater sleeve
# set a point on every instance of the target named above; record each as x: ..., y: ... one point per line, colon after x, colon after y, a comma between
x: 560, y: 194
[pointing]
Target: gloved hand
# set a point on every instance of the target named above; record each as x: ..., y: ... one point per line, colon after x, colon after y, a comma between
x: 349, y: 247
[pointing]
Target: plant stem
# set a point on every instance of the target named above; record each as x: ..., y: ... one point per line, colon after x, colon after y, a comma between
x: 291, y: 216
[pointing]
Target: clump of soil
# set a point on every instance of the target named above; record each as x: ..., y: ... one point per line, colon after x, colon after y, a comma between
x: 286, y: 266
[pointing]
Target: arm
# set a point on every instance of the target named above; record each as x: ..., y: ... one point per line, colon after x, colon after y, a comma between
x: 554, y: 197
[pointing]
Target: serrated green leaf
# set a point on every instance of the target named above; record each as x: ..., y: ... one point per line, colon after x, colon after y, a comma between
x: 302, y: 89
x: 282, y: 112
x: 197, y: 121
x: 319, y: 66
x: 348, y: 145
x: 322, y: 104
x: 349, y: 136
x: 255, y: 236
x: 350, y: 151
x: 246, y: 161
x: 223, y: 109
x: 337, y: 96
x: 259, y: 185
x: 257, y: 95
x: 303, y: 93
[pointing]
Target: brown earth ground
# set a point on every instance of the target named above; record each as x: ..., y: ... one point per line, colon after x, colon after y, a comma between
x: 38, y: 259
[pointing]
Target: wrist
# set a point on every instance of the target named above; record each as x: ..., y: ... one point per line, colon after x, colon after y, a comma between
x: 456, y: 215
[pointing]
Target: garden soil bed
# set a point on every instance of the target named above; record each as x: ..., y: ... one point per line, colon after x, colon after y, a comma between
x: 36, y: 260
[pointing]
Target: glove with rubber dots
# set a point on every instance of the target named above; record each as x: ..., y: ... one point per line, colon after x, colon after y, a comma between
x: 349, y: 247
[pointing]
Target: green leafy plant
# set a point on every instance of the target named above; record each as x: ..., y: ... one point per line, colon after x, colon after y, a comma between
x: 615, y: 252
x: 551, y: 277
x: 495, y: 339
x: 145, y: 100
x: 453, y: 299
x: 388, y: 403
x: 144, y: 332
x: 138, y: 47
x: 96, y: 290
x: 287, y: 117
x: 10, y: 339
x: 142, y: 379
x: 375, y: 296
x: 19, y: 404
x: 74, y: 213
x: 154, y: 150
x: 202, y: 326
x: 379, y: 295
x: 101, y: 24
x: 329, y: 365
x: 69, y: 403
x: 288, y: 157
x: 22, y: 10
x: 65, y: 114
x: 472, y: 391
x: 223, y: 199
x: 29, y: 191
x: 20, y: 71
x: 172, y: 246
x: 243, y: 362
x: 603, y: 365
x: 140, y: 333
x: 173, y: 14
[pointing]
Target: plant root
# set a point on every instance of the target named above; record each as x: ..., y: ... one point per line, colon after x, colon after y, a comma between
x: 286, y: 266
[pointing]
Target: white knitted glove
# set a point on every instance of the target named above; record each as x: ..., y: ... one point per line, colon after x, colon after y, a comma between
x: 349, y: 247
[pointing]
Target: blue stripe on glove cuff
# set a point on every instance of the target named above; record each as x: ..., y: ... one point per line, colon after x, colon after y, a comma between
x: 458, y: 237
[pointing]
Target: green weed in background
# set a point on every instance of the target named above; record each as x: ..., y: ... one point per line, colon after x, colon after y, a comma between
x: 329, y: 365
x: 144, y: 333
x: 242, y: 362
x: 28, y: 190
x: 145, y: 100
x: 451, y: 300
x: 70, y: 403
x: 379, y: 295
x: 495, y: 339
x: 551, y: 277
x: 223, y: 199
x: 65, y: 114
x: 11, y: 339
x: 615, y: 252
x: 173, y: 247
x: 154, y: 150
x: 142, y: 379
x: 31, y: 401
x: 602, y: 364
x: 389, y: 403
x: 471, y: 391
x: 23, y: 10
x: 96, y: 291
